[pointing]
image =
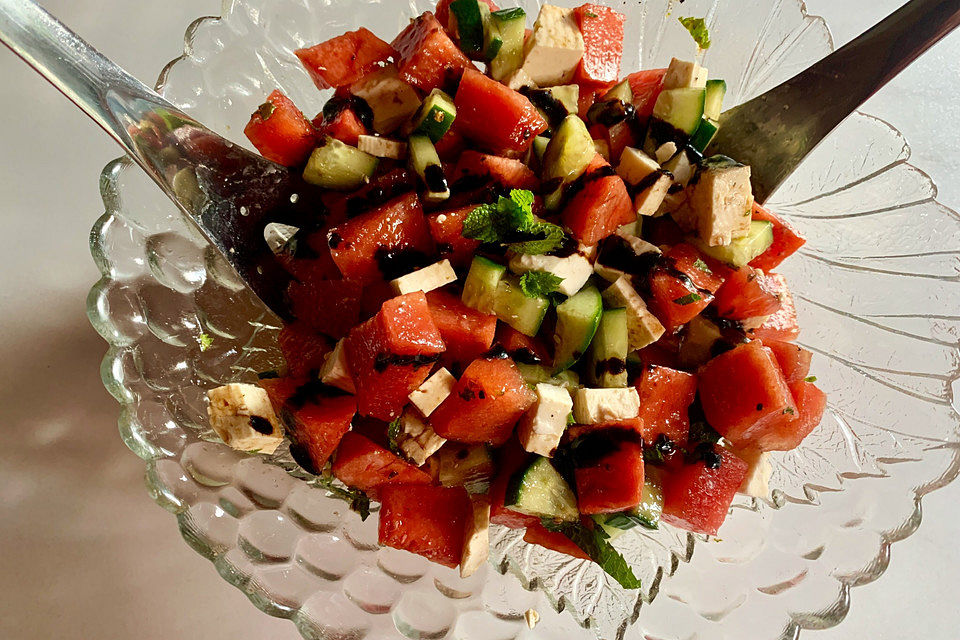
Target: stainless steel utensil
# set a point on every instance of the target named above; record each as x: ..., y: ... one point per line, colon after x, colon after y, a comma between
x: 775, y: 131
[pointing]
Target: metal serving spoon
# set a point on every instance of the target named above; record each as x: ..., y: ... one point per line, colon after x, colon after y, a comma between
x: 232, y: 194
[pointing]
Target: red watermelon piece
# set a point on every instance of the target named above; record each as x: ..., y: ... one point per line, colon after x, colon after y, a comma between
x: 345, y: 59
x: 676, y: 300
x: 787, y: 430
x: 783, y: 324
x: 485, y: 404
x: 467, y: 333
x: 303, y: 348
x: 364, y: 465
x: 446, y: 227
x: 280, y: 132
x: 426, y: 56
x: 599, y: 206
x: 496, y: 117
x: 746, y: 293
x: 521, y: 347
x: 424, y: 519
x: 665, y: 398
x: 536, y: 533
x: 697, y: 498
x: 794, y: 361
x: 345, y: 126
x: 602, y: 30
x: 646, y: 87
x: 614, y: 481
x: 508, y: 172
x: 786, y: 240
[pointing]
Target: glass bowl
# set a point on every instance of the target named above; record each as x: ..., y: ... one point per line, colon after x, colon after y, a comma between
x: 876, y: 286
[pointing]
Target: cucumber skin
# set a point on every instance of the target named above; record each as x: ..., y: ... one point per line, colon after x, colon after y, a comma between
x: 514, y: 491
x: 477, y: 292
x: 591, y: 327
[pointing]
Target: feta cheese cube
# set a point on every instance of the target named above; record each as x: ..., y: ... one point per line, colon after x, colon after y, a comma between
x: 243, y: 417
x: 596, y: 406
x: 681, y: 166
x: 639, y: 247
x: 756, y: 483
x: 682, y: 74
x: 417, y: 440
x: 635, y: 166
x: 643, y: 328
x: 382, y: 147
x: 431, y: 394
x: 336, y: 370
x: 555, y: 48
x: 541, y: 428
x: 392, y: 100
x: 476, y: 537
x: 649, y: 201
x: 644, y: 173
x: 666, y: 151
x: 519, y: 79
x: 575, y: 269
x: 427, y: 279
x: 718, y: 205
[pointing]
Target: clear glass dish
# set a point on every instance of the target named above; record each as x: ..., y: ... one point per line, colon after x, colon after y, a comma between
x: 876, y: 289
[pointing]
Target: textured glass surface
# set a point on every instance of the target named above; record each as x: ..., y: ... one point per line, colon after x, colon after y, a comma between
x: 877, y: 293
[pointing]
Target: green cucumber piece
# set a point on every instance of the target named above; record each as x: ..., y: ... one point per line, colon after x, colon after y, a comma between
x: 425, y: 162
x: 435, y: 115
x: 646, y: 514
x: 534, y: 374
x: 469, y: 24
x: 511, y: 24
x: 577, y: 321
x: 704, y: 134
x: 480, y: 286
x: 338, y: 166
x: 540, y: 146
x: 568, y: 154
x: 681, y: 108
x: 743, y: 249
x: 568, y: 95
x: 608, y: 352
x: 492, y: 40
x: 539, y: 490
x: 713, y: 100
x: 621, y: 92
x: 513, y: 306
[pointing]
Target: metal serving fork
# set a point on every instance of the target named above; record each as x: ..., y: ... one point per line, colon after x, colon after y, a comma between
x: 232, y: 194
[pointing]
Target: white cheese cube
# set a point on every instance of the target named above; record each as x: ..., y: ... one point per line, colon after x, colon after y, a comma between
x: 681, y: 167
x: 431, y: 394
x: 639, y: 247
x: 243, y: 417
x: 519, y: 79
x: 603, y: 148
x: 756, y: 483
x: 718, y: 206
x: 643, y: 328
x: 476, y: 536
x: 575, y: 269
x: 427, y: 279
x: 682, y: 74
x: 649, y: 201
x: 635, y: 166
x: 555, y: 48
x: 666, y: 151
x: 392, y: 100
x: 596, y: 406
x: 336, y: 370
x: 382, y: 147
x: 588, y: 251
x: 417, y: 440
x: 543, y: 425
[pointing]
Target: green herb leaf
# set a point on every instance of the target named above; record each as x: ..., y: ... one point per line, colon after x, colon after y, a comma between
x: 539, y: 284
x: 394, y: 429
x: 810, y: 379
x: 697, y: 27
x: 253, y: 451
x: 690, y: 298
x: 510, y: 222
x: 700, y: 264
x: 590, y: 14
x: 570, y: 419
x: 594, y: 543
x: 358, y: 500
x: 266, y: 110
x: 789, y: 410
x: 205, y: 341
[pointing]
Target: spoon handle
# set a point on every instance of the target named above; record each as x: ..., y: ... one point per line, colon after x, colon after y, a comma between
x: 775, y: 131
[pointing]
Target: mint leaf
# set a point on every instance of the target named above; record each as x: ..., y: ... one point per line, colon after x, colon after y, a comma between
x: 810, y: 379
x: 510, y: 222
x: 394, y: 429
x: 539, y: 284
x: 697, y: 27
x: 594, y: 543
x: 700, y: 264
x: 358, y: 500
x: 570, y: 419
x: 688, y: 299
x: 205, y: 341
x: 266, y: 110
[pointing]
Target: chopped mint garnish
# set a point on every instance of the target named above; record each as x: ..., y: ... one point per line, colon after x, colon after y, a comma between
x: 789, y: 410
x: 570, y: 419
x: 394, y: 429
x: 590, y: 14
x: 594, y: 543
x: 358, y: 500
x: 700, y: 264
x: 205, y: 341
x: 510, y: 222
x: 253, y: 451
x: 688, y: 299
x: 539, y: 284
x: 810, y: 379
x: 266, y: 110
x: 697, y: 27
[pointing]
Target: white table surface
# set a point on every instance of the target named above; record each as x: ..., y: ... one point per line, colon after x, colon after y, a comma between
x: 67, y: 569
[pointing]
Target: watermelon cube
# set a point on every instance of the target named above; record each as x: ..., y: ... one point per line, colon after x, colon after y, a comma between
x: 536, y: 533
x: 678, y: 295
x: 446, y: 227
x: 345, y: 126
x: 364, y: 465
x: 391, y: 354
x: 746, y: 293
x: 387, y: 242
x: 280, y: 132
x: 794, y: 361
x: 609, y: 471
x: 345, y: 59
x: 521, y: 347
x: 697, y: 497
x: 646, y: 87
x: 467, y: 333
x: 495, y: 117
x: 423, y: 519
x: 485, y: 404
x: 602, y: 30
x: 744, y: 394
x: 786, y: 240
x: 665, y: 398
x: 508, y: 172
x: 426, y: 56
x: 303, y: 348
x: 599, y: 206
x: 782, y: 324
